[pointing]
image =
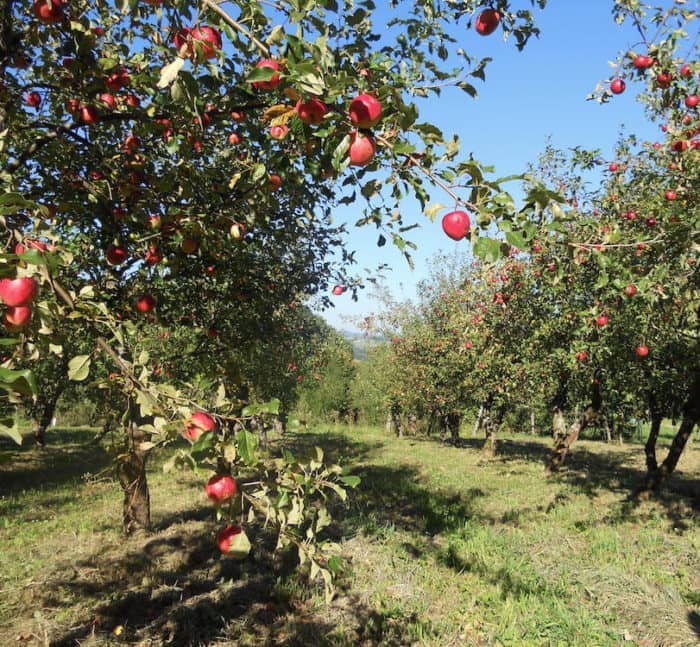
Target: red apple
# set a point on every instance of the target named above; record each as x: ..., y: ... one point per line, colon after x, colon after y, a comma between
x: 617, y: 86
x: 275, y: 79
x: 199, y: 424
x: 17, y: 316
x: 204, y: 40
x: 663, y: 79
x: 117, y: 80
x: 234, y: 138
x: 670, y: 195
x: 692, y: 101
x: 362, y: 149
x: 602, y: 320
x: 48, y: 11
x: 132, y: 101
x: 279, y: 131
x: 365, y: 111
x: 642, y: 61
x: 220, y: 488
x: 18, y: 292
x: 651, y: 222
x: 338, y: 290
x: 680, y: 145
x: 189, y: 245
x: 224, y: 537
x: 311, y: 111
x: 131, y: 144
x: 153, y: 255
x: 88, y: 114
x: 274, y: 182
x: 642, y: 351
x: 145, y: 303
x: 613, y: 167
x: 456, y: 224
x: 116, y: 255
x: 468, y: 345
x: 630, y: 290
x: 33, y: 99
x: 487, y: 21
x: 686, y: 70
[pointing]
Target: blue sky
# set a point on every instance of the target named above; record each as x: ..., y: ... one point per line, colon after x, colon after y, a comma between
x: 528, y: 97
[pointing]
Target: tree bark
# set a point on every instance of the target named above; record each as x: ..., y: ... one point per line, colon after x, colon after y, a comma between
x: 47, y: 409
x: 655, y: 478
x: 532, y: 423
x: 388, y: 424
x: 131, y: 471
x: 558, y: 424
x: 454, y: 420
x: 590, y: 414
x: 650, y: 446
x: 477, y: 422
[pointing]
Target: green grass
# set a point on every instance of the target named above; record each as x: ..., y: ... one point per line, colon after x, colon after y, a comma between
x: 442, y: 547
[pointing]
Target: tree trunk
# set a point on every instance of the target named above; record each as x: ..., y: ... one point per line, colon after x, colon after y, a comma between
x: 558, y: 424
x: 412, y: 424
x: 388, y: 425
x: 477, y: 422
x: 608, y: 431
x: 453, y: 422
x: 691, y: 416
x: 563, y: 444
x: 532, y: 423
x: 46, y: 413
x: 650, y: 446
x: 491, y: 423
x: 131, y: 471
x: 396, y: 422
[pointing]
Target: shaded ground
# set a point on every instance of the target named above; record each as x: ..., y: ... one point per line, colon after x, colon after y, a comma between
x: 442, y: 548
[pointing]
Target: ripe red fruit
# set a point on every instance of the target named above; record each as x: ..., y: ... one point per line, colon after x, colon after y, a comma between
x: 109, y: 100
x: 132, y: 101
x: 88, y: 114
x: 205, y: 41
x: 234, y: 138
x: 630, y: 290
x: 275, y: 79
x: 487, y: 21
x: 199, y: 424
x: 279, y: 131
x: 311, y: 111
x: 17, y: 316
x: 224, y: 537
x: 338, y: 290
x: 602, y: 320
x: 116, y: 255
x: 642, y: 61
x: 117, y: 80
x: 153, y: 255
x: 33, y: 99
x: 663, y: 79
x: 670, y: 195
x: 220, y: 488
x: 456, y: 224
x: 680, y: 145
x: 48, y: 12
x: 617, y: 86
x: 613, y: 167
x: 581, y: 355
x: 18, y: 292
x: 274, y: 182
x: 131, y: 144
x: 365, y: 111
x: 692, y: 101
x: 145, y: 303
x: 651, y: 222
x: 468, y: 345
x: 642, y: 351
x: 362, y: 149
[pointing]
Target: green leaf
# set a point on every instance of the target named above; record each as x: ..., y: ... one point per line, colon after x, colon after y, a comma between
x: 247, y: 442
x: 239, y: 547
x: 272, y: 407
x: 9, y: 427
x: 79, y: 368
x: 487, y: 248
x: 340, y: 154
x: 516, y: 239
x: 351, y: 481
x: 18, y: 381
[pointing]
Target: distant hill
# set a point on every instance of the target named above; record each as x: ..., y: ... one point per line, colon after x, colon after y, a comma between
x: 361, y: 342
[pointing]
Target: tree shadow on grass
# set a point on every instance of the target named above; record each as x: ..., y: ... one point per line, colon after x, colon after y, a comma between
x: 174, y: 587
x: 67, y: 459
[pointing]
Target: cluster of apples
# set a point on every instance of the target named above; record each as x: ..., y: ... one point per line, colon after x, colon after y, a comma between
x: 220, y: 488
x: 18, y: 295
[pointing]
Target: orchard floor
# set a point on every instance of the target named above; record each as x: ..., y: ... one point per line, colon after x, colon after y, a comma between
x: 443, y: 548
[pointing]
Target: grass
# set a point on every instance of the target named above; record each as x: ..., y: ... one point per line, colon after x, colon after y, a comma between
x: 442, y: 548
